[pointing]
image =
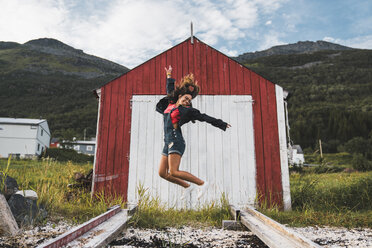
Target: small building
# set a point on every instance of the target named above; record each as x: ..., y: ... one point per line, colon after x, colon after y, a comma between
x: 296, y: 155
x: 54, y: 143
x: 82, y: 146
x: 247, y: 162
x: 23, y: 138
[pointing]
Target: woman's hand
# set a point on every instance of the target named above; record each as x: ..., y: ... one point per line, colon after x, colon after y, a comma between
x: 168, y: 71
x: 228, y: 125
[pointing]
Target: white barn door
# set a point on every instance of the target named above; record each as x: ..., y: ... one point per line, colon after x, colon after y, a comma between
x: 225, y: 159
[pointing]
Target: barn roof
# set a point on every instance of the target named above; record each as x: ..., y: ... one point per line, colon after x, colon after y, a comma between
x: 21, y: 121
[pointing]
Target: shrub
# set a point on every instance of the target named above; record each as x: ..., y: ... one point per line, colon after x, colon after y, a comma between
x: 64, y: 155
x: 361, y: 163
x: 357, y: 145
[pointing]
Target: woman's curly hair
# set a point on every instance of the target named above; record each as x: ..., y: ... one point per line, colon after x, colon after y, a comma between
x: 187, y: 85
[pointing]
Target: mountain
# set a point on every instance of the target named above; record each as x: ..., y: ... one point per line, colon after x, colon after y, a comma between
x: 330, y: 94
x: 330, y: 87
x: 50, y: 79
x: 297, y: 48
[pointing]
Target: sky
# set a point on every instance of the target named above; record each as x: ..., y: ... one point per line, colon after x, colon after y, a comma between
x: 130, y: 32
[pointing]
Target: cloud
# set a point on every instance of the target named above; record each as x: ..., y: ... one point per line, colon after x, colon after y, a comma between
x: 271, y: 39
x: 362, y: 42
x: 130, y: 32
x: 268, y: 23
x: 25, y: 20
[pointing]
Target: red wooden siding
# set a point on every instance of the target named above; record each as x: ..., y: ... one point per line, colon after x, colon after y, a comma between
x: 217, y: 74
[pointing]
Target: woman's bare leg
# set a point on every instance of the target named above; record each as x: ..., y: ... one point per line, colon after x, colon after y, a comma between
x: 163, y: 172
x: 174, y: 161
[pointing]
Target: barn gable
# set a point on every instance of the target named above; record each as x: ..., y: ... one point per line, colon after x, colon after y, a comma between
x: 217, y: 74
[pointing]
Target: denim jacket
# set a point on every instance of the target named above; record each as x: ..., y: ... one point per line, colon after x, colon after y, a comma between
x: 187, y: 114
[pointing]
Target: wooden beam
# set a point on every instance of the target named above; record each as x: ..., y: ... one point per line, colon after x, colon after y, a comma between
x: 8, y: 225
x: 80, y: 230
x: 272, y: 233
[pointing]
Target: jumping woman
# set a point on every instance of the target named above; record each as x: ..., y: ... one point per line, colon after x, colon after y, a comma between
x: 177, y: 110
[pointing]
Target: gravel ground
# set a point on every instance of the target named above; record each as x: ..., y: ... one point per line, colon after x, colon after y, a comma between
x: 334, y: 237
x: 187, y: 237
x: 193, y: 237
x: 329, y: 237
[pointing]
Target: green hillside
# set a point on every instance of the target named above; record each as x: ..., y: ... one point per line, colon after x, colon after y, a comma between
x: 331, y: 94
x: 48, y: 79
x: 331, y: 90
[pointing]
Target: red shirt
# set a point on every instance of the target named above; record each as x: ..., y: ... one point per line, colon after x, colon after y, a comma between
x: 175, y: 115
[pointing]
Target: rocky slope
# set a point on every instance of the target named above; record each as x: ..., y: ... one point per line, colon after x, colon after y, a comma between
x: 296, y: 48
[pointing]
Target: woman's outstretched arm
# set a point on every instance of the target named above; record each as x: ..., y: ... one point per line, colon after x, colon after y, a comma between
x: 170, y: 80
x: 163, y: 103
x: 195, y: 114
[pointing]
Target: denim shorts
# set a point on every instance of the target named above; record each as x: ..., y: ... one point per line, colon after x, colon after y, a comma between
x: 175, y: 146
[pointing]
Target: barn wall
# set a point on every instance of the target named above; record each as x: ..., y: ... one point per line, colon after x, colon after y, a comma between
x: 217, y: 74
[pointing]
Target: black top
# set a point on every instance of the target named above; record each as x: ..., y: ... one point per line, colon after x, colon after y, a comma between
x: 187, y: 113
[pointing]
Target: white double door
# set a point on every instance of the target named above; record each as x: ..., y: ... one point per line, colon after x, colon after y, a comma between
x: 225, y: 159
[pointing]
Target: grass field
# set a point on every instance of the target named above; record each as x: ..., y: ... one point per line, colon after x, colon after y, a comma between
x: 332, y: 199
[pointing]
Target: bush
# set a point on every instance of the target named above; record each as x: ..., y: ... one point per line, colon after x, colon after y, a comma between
x: 361, y: 163
x: 64, y: 155
x: 358, y: 145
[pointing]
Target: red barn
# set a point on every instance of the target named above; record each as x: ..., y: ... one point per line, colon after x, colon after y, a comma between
x: 246, y: 163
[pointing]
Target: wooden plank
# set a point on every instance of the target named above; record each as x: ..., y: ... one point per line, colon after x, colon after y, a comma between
x: 197, y: 61
x: 152, y: 77
x: 81, y: 229
x: 157, y: 147
x: 127, y: 129
x: 223, y: 90
x: 210, y: 168
x: 250, y: 152
x: 103, y: 234
x: 191, y: 57
x: 239, y: 79
x: 257, y: 117
x: 215, y: 78
x: 113, y: 123
x: 274, y: 145
x: 148, y: 145
x: 135, y: 153
x: 119, y: 151
x: 218, y: 149
x: 100, y: 176
x: 203, y: 69
x: 146, y: 82
x: 226, y: 75
x: 158, y: 71
x: 226, y: 144
x: 176, y: 74
x: 272, y: 233
x: 98, y: 154
x: 185, y: 59
x: 138, y: 75
x: 234, y: 152
x: 8, y: 224
x: 210, y: 86
x: 247, y: 81
x: 266, y: 140
x: 233, y: 80
x: 242, y: 126
x: 283, y: 148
